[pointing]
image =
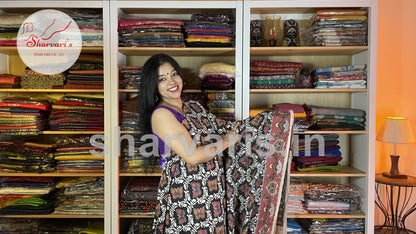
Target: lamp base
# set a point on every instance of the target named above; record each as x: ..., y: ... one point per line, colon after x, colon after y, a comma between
x: 394, y: 176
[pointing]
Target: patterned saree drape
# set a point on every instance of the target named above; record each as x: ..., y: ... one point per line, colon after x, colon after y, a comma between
x: 238, y: 192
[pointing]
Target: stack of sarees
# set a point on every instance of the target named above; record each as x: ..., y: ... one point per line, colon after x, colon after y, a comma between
x: 317, y: 153
x: 333, y: 225
x: 128, y: 116
x: 150, y: 33
x: 335, y: 119
x: 9, y: 81
x: 296, y: 197
x: 273, y: 74
x: 135, y: 158
x: 77, y: 113
x: 9, y: 27
x: 141, y: 226
x: 23, y: 116
x: 27, y: 195
x: 301, y: 122
x: 35, y: 80
x: 217, y: 76
x: 209, y: 30
x: 86, y: 73
x: 139, y: 196
x: 75, y: 154
x: 345, y: 77
x: 222, y: 105
x: 90, y: 23
x: 20, y: 156
x: 130, y: 77
x: 81, y: 196
x: 338, y: 27
x: 18, y: 225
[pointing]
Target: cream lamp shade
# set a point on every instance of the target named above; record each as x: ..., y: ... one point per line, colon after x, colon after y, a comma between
x: 396, y: 130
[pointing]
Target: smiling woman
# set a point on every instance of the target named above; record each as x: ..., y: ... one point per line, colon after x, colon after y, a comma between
x: 209, y: 189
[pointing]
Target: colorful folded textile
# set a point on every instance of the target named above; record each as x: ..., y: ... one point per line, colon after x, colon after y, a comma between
x: 273, y: 74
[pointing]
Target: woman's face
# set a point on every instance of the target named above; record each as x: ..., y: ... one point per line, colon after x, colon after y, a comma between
x: 169, y: 82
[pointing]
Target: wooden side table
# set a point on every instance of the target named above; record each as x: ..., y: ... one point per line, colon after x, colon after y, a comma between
x: 396, y: 203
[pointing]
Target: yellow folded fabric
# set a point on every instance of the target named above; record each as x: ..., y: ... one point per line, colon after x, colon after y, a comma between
x: 79, y: 157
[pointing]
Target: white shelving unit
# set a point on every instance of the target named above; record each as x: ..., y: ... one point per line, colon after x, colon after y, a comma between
x: 359, y: 146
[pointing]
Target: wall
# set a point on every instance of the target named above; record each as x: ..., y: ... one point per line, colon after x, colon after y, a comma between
x: 396, y: 95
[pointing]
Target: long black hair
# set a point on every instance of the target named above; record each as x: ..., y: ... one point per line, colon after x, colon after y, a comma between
x: 148, y: 92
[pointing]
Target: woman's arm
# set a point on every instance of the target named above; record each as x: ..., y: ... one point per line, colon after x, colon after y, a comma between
x: 175, y: 135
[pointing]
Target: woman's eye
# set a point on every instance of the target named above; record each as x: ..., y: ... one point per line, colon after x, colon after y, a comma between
x: 161, y: 79
x: 175, y: 74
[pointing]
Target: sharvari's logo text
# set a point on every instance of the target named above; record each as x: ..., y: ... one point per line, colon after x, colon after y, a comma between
x: 49, y: 42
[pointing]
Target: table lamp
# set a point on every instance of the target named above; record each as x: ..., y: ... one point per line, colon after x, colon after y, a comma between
x: 396, y: 130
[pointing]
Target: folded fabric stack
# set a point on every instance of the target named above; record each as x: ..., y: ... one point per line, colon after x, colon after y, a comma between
x: 332, y: 199
x: 73, y: 155
x: 141, y: 226
x: 9, y: 27
x: 132, y: 159
x: 217, y: 76
x: 338, y: 27
x: 296, y: 197
x: 273, y: 75
x: 15, y: 226
x: 19, y: 156
x: 22, y: 116
x: 222, y: 105
x: 83, y: 198
x: 316, y: 155
x: 129, y: 117
x: 294, y: 228
x: 139, y: 196
x: 336, y: 119
x: 73, y: 113
x: 345, y: 226
x: 346, y: 77
x: 209, y: 30
x: 86, y: 73
x: 90, y: 23
x: 69, y: 226
x: 301, y: 122
x: 130, y: 77
x: 8, y: 81
x: 34, y: 80
x: 151, y: 33
x: 27, y: 195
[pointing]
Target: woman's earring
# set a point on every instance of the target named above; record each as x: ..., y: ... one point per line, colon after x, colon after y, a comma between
x: 156, y: 99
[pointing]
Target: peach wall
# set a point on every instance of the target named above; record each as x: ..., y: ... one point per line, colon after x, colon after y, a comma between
x: 396, y: 75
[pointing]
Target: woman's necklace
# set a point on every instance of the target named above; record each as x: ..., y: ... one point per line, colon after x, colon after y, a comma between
x: 174, y: 107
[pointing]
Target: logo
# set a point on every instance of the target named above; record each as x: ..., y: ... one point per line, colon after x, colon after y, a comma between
x: 49, y: 42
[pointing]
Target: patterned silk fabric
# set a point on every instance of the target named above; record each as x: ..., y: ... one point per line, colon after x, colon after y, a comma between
x: 239, y: 192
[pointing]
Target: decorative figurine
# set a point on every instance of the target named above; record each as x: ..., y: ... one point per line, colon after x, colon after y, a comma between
x: 256, y: 33
x: 291, y: 32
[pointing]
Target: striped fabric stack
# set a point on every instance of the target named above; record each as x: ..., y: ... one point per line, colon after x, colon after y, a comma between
x: 222, y: 105
x: 8, y: 81
x: 34, y: 80
x: 139, y: 196
x: 77, y: 113
x: 273, y: 75
x: 86, y: 73
x: 23, y: 116
x: 150, y: 33
x: 19, y: 156
x: 130, y: 77
x: 75, y: 154
x: 9, y: 27
x: 90, y: 23
x: 209, y: 30
x: 338, y: 27
x: 346, y: 77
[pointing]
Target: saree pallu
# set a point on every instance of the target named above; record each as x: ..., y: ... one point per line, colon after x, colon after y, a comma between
x: 239, y: 192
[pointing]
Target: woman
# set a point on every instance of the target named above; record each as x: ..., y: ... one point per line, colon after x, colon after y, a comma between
x: 199, y: 191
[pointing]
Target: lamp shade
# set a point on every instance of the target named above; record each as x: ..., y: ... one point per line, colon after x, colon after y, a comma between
x: 396, y: 130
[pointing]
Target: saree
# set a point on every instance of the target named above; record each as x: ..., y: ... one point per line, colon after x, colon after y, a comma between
x: 237, y: 191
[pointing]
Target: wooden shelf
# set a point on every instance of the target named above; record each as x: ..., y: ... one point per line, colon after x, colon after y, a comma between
x: 51, y: 174
x: 139, y: 216
x: 12, y: 50
x: 51, y: 91
x: 128, y: 90
x: 309, y: 50
x: 322, y: 216
x: 130, y: 132
x: 55, y: 216
x: 331, y: 132
x: 344, y: 172
x: 139, y: 174
x: 70, y: 132
x: 192, y: 51
x: 307, y: 90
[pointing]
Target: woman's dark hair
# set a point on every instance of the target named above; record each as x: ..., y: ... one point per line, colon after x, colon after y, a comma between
x: 148, y: 92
